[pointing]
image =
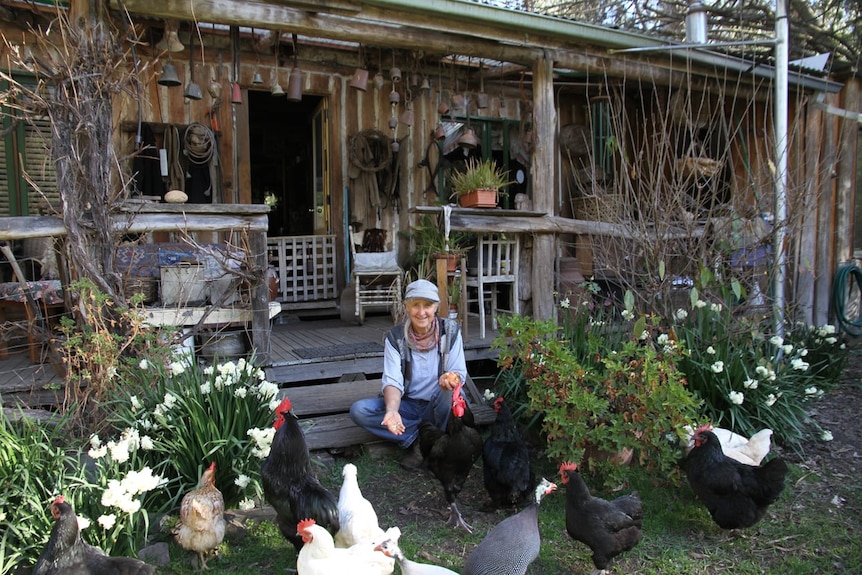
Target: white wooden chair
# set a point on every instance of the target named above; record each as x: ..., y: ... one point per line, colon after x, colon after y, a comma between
x: 497, y: 264
x: 377, y: 278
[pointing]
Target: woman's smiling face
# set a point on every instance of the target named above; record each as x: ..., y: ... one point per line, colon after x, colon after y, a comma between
x: 422, y: 313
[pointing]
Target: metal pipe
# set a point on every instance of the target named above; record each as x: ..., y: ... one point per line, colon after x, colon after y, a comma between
x: 780, y: 175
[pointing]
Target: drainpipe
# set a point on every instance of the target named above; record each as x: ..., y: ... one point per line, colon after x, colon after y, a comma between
x: 780, y: 175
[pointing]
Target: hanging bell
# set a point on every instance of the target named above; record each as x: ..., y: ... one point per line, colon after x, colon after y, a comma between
x: 481, y: 100
x: 193, y: 91
x: 393, y: 122
x: 406, y: 117
x: 360, y: 79
x: 294, y: 87
x: 170, y: 42
x: 169, y: 75
x: 459, y: 101
x: 379, y: 81
x: 277, y: 90
x: 394, y: 97
x: 439, y: 132
x: 395, y: 74
x: 468, y: 139
x: 396, y: 145
x: 426, y: 85
x: 257, y: 78
x: 236, y: 94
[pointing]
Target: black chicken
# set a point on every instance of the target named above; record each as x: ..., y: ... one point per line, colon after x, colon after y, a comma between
x: 66, y: 553
x: 608, y: 528
x: 511, y: 546
x: 509, y: 478
x: 451, y: 455
x: 735, y: 494
x: 289, y: 482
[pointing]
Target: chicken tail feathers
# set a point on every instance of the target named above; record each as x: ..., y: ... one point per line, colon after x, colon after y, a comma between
x: 771, y: 480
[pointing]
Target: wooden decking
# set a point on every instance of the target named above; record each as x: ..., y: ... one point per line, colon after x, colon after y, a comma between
x: 303, y: 351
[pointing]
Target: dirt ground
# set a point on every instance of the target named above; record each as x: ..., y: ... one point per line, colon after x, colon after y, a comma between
x: 413, y: 500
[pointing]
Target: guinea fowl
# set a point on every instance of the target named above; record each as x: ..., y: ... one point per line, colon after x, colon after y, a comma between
x: 451, y: 455
x: 67, y: 554
x: 202, y: 524
x: 510, y: 547
x: 608, y: 528
x: 735, y: 494
x: 506, y: 461
x: 289, y: 482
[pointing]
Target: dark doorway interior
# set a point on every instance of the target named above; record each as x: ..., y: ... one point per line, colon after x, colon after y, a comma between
x: 280, y: 133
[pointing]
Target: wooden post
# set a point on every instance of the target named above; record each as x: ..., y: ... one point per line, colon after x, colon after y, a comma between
x: 442, y: 287
x: 543, y: 162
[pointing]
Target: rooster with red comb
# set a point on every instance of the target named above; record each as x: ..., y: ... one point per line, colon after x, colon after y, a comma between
x: 289, y: 482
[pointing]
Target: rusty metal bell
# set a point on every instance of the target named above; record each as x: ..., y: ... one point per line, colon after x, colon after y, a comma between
x: 236, y: 94
x: 360, y: 79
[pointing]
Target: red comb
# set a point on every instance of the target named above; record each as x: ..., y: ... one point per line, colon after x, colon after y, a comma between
x: 567, y: 466
x: 305, y: 524
x: 284, y: 407
x: 211, y: 467
x: 60, y: 499
x: 498, y: 403
x: 702, y: 428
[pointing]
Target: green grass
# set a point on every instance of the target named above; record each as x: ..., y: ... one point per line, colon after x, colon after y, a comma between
x: 813, y: 528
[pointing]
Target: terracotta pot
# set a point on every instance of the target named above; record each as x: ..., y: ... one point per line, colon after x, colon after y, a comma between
x: 451, y: 261
x: 479, y: 199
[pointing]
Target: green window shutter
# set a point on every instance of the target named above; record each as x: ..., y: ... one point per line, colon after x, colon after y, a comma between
x: 39, y: 166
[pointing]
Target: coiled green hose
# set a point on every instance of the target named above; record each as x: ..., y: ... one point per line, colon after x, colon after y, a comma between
x: 841, y: 291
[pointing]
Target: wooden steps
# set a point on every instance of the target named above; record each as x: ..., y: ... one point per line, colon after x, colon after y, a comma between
x: 323, y: 410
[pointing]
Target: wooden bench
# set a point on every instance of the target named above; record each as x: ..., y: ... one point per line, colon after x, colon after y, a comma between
x: 323, y: 409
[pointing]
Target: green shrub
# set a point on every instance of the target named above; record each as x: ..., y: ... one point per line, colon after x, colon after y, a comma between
x: 602, y: 388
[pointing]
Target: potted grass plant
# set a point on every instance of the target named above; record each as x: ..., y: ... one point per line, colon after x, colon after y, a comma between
x: 479, y: 185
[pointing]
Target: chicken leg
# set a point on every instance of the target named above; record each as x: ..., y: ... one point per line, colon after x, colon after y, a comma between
x: 456, y: 520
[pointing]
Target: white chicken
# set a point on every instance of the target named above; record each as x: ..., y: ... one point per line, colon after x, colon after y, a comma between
x: 356, y: 516
x: 748, y: 451
x: 320, y: 556
x: 389, y: 547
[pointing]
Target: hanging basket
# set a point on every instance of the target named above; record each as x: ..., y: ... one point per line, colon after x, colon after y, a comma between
x: 486, y: 198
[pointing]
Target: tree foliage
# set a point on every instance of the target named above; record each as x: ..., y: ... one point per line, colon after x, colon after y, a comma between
x: 816, y: 26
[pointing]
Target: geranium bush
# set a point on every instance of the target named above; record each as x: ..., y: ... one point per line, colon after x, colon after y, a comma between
x: 603, y: 389
x: 749, y: 379
x: 193, y: 415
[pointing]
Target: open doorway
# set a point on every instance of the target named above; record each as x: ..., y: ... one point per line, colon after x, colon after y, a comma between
x: 287, y: 141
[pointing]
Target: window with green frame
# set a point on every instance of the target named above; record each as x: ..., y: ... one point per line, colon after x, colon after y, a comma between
x: 27, y: 173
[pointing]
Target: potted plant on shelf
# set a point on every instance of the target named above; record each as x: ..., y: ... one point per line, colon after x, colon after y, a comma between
x: 431, y: 244
x: 479, y: 184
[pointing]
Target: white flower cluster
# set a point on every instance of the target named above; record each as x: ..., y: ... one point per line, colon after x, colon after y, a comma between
x: 488, y: 395
x: 121, y: 493
x: 736, y: 397
x: 765, y: 373
x: 262, y: 441
x: 627, y: 314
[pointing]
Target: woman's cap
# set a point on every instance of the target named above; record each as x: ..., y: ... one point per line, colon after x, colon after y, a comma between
x: 422, y: 289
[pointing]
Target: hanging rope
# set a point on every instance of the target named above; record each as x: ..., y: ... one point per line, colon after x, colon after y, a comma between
x: 198, y: 143
x: 370, y: 150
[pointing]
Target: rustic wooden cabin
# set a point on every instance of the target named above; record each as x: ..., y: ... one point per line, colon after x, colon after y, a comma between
x: 633, y: 160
